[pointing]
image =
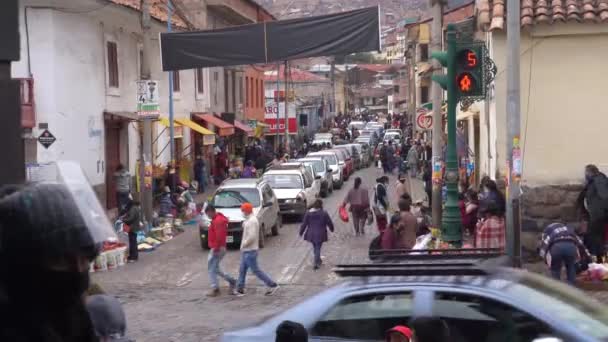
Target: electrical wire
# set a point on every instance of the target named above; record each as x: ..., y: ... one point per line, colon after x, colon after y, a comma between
x: 526, y: 137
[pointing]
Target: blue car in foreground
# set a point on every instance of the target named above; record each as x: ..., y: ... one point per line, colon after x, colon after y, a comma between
x: 479, y: 304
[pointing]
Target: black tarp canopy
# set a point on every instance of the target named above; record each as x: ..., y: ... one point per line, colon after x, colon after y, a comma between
x: 273, y: 41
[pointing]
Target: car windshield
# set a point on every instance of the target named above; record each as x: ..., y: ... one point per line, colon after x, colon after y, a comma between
x: 278, y: 181
x: 331, y: 159
x: 317, y: 165
x: 233, y: 198
x: 340, y: 156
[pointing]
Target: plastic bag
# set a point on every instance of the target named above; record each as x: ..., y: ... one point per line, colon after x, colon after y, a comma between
x: 370, y: 217
x: 343, y: 214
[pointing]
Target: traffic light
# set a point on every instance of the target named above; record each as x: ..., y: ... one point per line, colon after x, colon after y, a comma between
x: 469, y: 70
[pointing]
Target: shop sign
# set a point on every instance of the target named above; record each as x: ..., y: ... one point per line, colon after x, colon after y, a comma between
x: 208, y: 139
x: 46, y: 139
x: 178, y: 131
x: 292, y: 126
x: 148, y: 106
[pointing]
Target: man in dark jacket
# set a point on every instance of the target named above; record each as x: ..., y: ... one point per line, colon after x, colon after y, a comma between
x: 132, y: 218
x: 596, y: 198
x: 47, y: 246
x: 561, y: 246
x: 216, y: 239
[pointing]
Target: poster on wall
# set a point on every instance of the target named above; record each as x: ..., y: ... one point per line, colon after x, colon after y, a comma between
x: 270, y: 118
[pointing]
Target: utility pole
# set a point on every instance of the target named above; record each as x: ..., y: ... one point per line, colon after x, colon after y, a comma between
x: 146, y: 155
x: 514, y: 163
x: 333, y: 85
x: 437, y: 97
x: 285, y: 75
x: 277, y: 99
x: 10, y: 115
x: 171, y: 123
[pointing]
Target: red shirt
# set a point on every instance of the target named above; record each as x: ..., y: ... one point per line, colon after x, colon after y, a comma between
x: 218, y: 228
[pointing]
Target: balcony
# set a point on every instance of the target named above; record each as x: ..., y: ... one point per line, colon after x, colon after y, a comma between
x: 28, y: 107
x: 236, y: 12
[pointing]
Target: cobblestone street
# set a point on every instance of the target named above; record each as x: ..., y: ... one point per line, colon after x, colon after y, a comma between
x: 164, y: 293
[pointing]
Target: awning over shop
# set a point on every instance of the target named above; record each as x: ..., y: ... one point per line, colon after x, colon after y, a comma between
x: 165, y: 122
x: 243, y: 127
x: 208, y: 136
x: 194, y: 126
x: 224, y: 128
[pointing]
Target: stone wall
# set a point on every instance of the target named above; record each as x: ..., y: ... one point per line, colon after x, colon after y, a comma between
x: 544, y: 205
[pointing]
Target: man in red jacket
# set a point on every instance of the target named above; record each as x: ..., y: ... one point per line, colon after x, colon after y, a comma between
x: 217, y: 250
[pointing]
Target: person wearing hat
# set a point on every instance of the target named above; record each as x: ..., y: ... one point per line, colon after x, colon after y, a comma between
x: 47, y: 245
x: 250, y: 244
x: 399, y: 333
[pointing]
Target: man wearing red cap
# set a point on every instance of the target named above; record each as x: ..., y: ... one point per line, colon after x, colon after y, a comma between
x: 399, y: 333
x: 249, y: 252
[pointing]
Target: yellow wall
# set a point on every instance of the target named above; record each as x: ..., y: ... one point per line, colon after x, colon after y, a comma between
x: 564, y: 101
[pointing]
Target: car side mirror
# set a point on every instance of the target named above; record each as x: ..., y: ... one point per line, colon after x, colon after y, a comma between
x: 317, y: 177
x: 268, y: 204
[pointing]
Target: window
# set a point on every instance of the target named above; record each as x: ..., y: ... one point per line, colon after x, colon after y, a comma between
x: 262, y: 100
x: 424, y: 52
x: 176, y: 82
x: 233, y: 198
x: 396, y: 89
x: 365, y: 317
x: 141, y: 63
x: 307, y: 178
x: 113, y: 80
x: 284, y: 181
x: 424, y: 94
x: 268, y: 194
x: 241, y: 90
x: 257, y: 93
x: 215, y: 79
x: 200, y: 81
x: 247, y: 92
x: 474, y: 318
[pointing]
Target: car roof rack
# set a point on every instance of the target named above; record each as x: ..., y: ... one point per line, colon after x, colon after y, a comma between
x: 432, y: 262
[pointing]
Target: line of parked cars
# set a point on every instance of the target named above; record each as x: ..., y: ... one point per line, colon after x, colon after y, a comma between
x: 286, y: 189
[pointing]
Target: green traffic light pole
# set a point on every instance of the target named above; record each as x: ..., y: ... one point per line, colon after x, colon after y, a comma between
x: 451, y: 228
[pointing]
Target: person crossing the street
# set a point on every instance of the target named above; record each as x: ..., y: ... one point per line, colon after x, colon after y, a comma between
x: 217, y: 250
x: 250, y: 244
x: 314, y: 229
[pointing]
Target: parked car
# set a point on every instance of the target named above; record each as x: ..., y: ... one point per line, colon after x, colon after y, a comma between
x: 364, y: 158
x: 307, y: 170
x: 293, y: 189
x: 353, y: 154
x: 227, y: 199
x: 345, y: 161
x: 334, y: 165
x: 476, y: 304
x: 322, y: 169
x: 366, y: 151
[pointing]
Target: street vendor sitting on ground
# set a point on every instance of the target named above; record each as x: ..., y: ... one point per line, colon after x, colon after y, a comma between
x: 560, y: 246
